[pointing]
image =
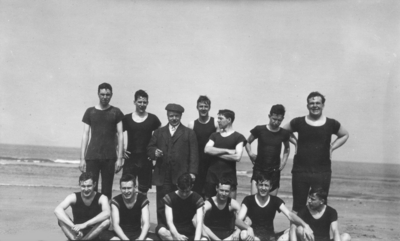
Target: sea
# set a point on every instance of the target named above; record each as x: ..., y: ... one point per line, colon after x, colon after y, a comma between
x: 350, y: 180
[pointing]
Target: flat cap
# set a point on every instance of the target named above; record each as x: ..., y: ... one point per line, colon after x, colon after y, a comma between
x: 175, y: 108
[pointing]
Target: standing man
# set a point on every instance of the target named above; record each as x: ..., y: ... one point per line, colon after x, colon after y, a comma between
x: 174, y: 147
x: 270, y: 139
x: 312, y: 161
x: 90, y: 211
x: 226, y: 147
x: 204, y: 126
x: 103, y: 122
x: 139, y: 126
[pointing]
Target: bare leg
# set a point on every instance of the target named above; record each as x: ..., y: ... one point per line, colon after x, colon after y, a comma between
x: 71, y: 234
x: 97, y: 229
x: 165, y: 234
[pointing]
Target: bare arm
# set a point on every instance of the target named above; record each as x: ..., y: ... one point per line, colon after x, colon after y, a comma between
x: 235, y: 156
x: 206, y: 230
x: 308, y: 233
x: 242, y: 225
x: 199, y: 223
x: 335, y: 231
x: 118, y: 163
x: 343, y: 135
x: 60, y: 213
x: 285, y: 156
x: 105, y: 214
x: 84, y: 144
x: 191, y: 125
x: 170, y: 223
x: 248, y: 148
x: 146, y: 222
x: 115, y: 222
x: 214, y: 151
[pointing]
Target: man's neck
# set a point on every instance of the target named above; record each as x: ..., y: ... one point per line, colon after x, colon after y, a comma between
x: 88, y: 198
x: 262, y: 199
x: 318, y: 210
x: 227, y: 130
x: 220, y: 203
x: 140, y: 114
x: 315, y: 117
x: 204, y: 119
x: 273, y: 129
x: 101, y: 107
x: 130, y: 200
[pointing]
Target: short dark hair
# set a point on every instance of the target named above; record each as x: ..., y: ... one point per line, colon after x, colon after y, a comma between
x: 225, y: 181
x: 319, y: 192
x: 262, y: 177
x: 277, y: 110
x: 85, y: 176
x: 316, y: 94
x: 141, y: 93
x: 185, y: 181
x: 128, y: 178
x: 106, y: 86
x: 227, y: 114
x: 205, y: 99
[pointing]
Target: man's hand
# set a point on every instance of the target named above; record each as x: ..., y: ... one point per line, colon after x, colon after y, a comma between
x: 330, y: 152
x: 236, y: 235
x: 193, y: 177
x: 158, y: 153
x: 179, y: 236
x: 79, y: 236
x: 281, y: 167
x: 79, y: 227
x: 82, y: 165
x: 253, y: 157
x: 250, y: 234
x: 308, y: 233
x: 126, y: 154
x: 118, y: 165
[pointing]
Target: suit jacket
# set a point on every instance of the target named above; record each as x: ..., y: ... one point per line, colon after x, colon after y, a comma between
x: 179, y: 151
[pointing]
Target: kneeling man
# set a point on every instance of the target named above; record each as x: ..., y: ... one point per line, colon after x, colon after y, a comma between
x: 129, y: 211
x: 321, y: 218
x: 261, y: 209
x: 220, y: 214
x: 90, y: 210
x: 180, y: 208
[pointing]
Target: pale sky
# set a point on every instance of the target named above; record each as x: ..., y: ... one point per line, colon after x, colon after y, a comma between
x: 245, y: 55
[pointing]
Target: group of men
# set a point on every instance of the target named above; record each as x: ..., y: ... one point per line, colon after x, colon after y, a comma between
x: 196, y: 162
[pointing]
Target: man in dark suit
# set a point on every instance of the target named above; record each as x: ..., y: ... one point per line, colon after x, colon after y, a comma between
x: 174, y: 147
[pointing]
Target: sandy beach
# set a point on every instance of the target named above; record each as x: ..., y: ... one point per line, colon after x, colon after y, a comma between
x: 31, y: 191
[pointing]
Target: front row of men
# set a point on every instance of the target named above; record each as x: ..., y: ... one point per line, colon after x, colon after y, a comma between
x: 224, y: 218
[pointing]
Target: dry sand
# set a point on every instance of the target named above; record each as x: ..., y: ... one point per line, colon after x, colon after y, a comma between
x: 28, y: 198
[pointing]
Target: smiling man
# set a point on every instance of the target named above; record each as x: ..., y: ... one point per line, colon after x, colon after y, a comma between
x: 174, y: 147
x: 261, y: 209
x: 102, y: 123
x: 270, y: 139
x: 312, y: 161
x: 90, y: 211
x: 204, y: 126
x: 129, y: 212
x: 220, y: 214
x: 139, y: 126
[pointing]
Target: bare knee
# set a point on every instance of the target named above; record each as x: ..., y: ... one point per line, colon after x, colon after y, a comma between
x: 345, y: 237
x: 164, y: 233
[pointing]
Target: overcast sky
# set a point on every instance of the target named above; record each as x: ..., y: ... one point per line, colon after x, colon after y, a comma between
x: 245, y: 55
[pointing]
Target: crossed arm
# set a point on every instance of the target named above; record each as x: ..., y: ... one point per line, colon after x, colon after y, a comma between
x: 226, y: 154
x: 71, y: 199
